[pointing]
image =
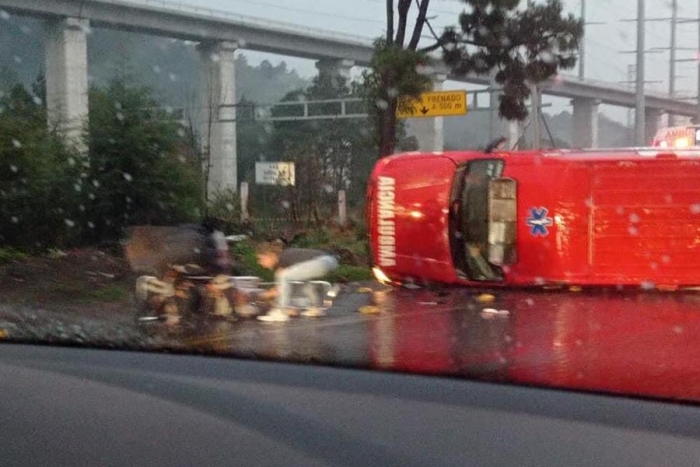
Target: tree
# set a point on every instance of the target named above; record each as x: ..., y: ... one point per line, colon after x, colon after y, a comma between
x: 522, y: 46
x: 139, y: 170
x: 329, y: 154
x: 38, y: 202
x: 395, y: 72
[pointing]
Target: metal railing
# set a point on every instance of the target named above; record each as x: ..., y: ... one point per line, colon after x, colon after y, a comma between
x: 243, y: 20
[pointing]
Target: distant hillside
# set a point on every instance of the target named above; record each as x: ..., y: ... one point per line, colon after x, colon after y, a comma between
x: 168, y: 66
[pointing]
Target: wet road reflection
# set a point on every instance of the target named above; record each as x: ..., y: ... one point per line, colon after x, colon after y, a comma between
x: 645, y: 344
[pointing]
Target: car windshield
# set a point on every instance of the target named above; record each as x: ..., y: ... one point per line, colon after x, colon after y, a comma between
x: 309, y: 182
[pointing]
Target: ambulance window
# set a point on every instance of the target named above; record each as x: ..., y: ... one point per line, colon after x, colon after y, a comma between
x: 471, y: 220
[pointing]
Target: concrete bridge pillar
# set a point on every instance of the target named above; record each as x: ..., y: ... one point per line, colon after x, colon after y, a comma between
x: 65, y: 48
x: 585, y: 122
x: 652, y: 121
x: 429, y: 131
x: 217, y: 118
x: 336, y: 68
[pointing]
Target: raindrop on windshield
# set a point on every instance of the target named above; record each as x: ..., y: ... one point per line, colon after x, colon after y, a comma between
x: 13, y: 168
x: 695, y: 208
x: 172, y: 76
x: 634, y: 218
x: 678, y: 329
x: 4, y: 15
x: 285, y: 204
x: 17, y: 59
x: 229, y: 206
x: 91, y: 225
x: 127, y: 176
x: 71, y: 161
x: 547, y: 57
x: 14, y: 219
x: 181, y: 132
x: 633, y: 231
x: 37, y: 100
x: 16, y: 143
x: 382, y: 104
x: 69, y: 223
x: 96, y: 183
x: 647, y: 285
x: 120, y: 116
x: 327, y: 188
x: 425, y: 70
x: 156, y: 69
x: 393, y: 92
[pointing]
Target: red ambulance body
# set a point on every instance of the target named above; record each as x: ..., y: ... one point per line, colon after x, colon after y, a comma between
x: 603, y: 217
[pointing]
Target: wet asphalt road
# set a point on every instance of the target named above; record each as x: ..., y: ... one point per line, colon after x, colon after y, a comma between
x: 627, y: 342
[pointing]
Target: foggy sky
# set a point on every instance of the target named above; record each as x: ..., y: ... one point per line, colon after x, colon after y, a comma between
x: 604, y: 42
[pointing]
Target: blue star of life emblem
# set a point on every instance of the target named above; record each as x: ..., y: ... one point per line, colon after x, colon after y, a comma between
x: 538, y: 221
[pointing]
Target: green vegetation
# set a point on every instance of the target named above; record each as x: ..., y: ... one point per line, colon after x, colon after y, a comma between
x: 349, y: 245
x: 138, y: 170
x: 519, y: 46
x: 37, y: 173
x: 8, y: 255
x: 87, y: 292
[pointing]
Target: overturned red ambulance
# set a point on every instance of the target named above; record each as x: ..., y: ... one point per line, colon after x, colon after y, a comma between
x: 527, y: 218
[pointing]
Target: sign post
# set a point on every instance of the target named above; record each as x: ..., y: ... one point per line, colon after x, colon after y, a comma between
x: 433, y: 104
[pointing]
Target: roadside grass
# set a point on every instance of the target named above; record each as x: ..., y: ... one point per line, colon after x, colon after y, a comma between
x: 8, y: 255
x: 86, y: 292
x: 348, y: 244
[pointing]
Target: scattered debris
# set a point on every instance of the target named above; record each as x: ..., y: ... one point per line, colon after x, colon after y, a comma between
x: 369, y: 310
x: 489, y: 312
x: 486, y: 298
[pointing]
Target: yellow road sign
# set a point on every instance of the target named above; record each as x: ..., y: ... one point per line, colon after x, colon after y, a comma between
x: 434, y: 104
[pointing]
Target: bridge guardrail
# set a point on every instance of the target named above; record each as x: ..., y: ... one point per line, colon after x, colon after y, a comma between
x: 243, y: 19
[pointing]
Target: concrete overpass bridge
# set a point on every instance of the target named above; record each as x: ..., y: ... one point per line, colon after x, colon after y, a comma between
x: 220, y: 34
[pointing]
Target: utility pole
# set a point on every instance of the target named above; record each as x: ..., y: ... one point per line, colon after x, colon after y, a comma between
x: 639, y: 114
x: 672, y: 64
x: 697, y: 117
x: 630, y: 79
x: 582, y: 46
x: 536, y: 112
